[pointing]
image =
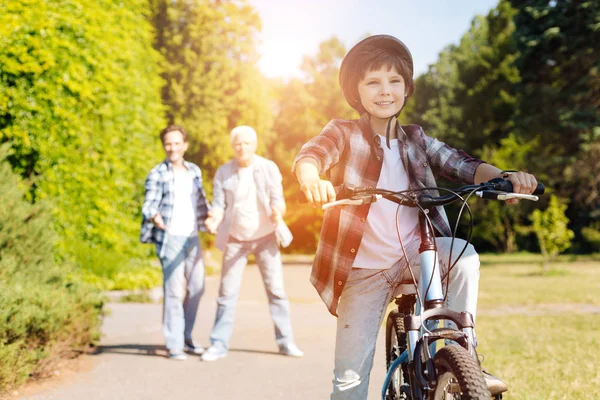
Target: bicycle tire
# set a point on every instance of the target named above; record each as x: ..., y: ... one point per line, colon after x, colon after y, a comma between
x: 395, y: 344
x: 459, y: 376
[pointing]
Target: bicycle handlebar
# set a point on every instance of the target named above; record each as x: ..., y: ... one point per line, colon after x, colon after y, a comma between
x: 495, y: 189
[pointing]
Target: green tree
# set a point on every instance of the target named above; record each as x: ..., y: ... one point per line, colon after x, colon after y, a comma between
x: 80, y: 104
x: 500, y: 224
x: 559, y: 95
x: 211, y: 79
x: 44, y: 310
x: 560, y: 84
x: 466, y: 98
x: 550, y: 228
x: 304, y: 107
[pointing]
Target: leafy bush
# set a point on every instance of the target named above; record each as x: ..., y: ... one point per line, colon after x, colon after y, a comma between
x: 550, y: 227
x: 44, y: 309
x: 109, y: 270
x: 81, y: 105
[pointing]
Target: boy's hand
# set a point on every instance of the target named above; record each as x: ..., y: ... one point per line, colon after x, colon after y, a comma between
x: 318, y: 192
x: 522, y: 183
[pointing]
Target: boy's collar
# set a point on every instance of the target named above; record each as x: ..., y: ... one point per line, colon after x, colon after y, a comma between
x: 371, y: 136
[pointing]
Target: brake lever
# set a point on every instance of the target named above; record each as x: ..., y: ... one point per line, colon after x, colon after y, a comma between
x: 498, y: 195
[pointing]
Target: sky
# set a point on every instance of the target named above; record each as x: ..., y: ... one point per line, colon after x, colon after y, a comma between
x: 292, y: 29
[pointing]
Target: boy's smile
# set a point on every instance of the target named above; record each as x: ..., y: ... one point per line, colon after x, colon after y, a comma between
x: 382, y: 92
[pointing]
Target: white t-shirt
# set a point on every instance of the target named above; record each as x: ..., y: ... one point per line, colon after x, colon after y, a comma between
x: 380, y: 247
x: 249, y: 220
x: 184, y: 221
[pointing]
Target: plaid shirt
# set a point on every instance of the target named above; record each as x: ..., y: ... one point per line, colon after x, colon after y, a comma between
x: 348, y: 152
x: 268, y: 190
x: 159, y: 198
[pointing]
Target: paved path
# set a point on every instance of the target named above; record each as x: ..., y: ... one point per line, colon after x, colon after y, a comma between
x: 131, y: 362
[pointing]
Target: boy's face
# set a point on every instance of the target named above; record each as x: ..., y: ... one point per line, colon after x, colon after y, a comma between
x: 382, y: 91
x: 174, y: 146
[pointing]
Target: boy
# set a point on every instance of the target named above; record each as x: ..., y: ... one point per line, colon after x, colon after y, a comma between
x: 359, y: 262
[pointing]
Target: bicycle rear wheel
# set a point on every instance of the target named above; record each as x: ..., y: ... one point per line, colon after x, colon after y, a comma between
x: 458, y: 376
x: 395, y: 344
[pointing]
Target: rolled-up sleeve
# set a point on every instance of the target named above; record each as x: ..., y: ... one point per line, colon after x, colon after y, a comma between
x: 450, y: 163
x: 326, y: 148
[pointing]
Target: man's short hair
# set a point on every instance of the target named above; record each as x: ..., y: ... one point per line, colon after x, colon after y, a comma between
x: 243, y: 129
x: 173, y: 128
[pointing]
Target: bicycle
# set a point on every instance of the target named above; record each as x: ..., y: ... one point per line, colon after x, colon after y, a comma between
x: 416, y: 370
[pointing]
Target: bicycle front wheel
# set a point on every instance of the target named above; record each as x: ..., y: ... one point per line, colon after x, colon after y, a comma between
x: 459, y: 376
x: 395, y: 344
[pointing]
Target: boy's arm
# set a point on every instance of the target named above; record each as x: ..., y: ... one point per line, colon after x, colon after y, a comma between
x: 318, y: 155
x: 316, y: 190
x: 522, y: 181
x: 456, y: 165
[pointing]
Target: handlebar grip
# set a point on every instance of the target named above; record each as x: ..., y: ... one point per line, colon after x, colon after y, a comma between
x: 506, y: 186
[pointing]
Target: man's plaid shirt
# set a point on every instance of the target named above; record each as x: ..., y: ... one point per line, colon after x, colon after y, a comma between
x: 160, y: 197
x: 348, y: 152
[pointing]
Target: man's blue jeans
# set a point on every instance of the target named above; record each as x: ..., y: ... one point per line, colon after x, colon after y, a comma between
x: 183, y: 286
x: 268, y: 258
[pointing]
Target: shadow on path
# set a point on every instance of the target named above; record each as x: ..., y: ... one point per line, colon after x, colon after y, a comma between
x: 274, y: 353
x: 133, y: 349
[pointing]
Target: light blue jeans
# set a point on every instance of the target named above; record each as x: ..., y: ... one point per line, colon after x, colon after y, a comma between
x: 364, y: 301
x: 235, y: 258
x: 183, y: 286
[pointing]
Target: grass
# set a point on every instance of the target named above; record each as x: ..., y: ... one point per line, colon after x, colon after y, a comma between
x: 522, y: 284
x: 534, y: 329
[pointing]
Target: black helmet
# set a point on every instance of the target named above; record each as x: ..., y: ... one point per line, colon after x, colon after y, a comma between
x: 351, y: 65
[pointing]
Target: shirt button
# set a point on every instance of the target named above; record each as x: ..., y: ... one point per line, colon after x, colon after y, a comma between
x: 352, y: 251
x: 378, y: 158
x: 340, y: 283
x: 362, y: 220
x: 424, y: 164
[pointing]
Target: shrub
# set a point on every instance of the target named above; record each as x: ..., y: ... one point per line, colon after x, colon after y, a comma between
x: 45, y: 309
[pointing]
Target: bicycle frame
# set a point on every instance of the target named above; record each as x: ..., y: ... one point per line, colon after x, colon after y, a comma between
x: 417, y: 338
x: 420, y: 340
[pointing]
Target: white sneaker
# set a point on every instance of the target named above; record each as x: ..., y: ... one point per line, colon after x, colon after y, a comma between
x: 190, y: 347
x: 290, y: 350
x: 177, y: 355
x: 214, y: 353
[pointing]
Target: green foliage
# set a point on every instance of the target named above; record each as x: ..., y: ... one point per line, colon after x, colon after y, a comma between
x: 560, y: 86
x: 550, y: 227
x: 592, y: 236
x: 305, y: 106
x: 44, y: 309
x: 81, y: 105
x: 109, y: 270
x: 497, y: 223
x: 211, y: 80
x: 466, y: 97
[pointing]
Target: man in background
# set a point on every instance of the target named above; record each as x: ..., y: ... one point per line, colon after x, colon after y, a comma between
x: 246, y: 215
x: 174, y: 210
